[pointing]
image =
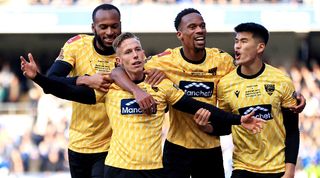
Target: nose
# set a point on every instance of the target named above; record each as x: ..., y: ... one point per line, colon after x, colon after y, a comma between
x: 135, y: 54
x: 200, y: 29
x: 109, y: 31
x: 237, y: 45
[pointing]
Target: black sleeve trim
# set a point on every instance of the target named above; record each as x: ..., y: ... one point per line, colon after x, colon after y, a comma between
x: 292, y: 140
x: 82, y: 94
x: 59, y: 71
x: 218, y: 116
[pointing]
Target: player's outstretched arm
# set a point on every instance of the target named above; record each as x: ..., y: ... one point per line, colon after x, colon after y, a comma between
x: 62, y: 90
x: 219, y: 117
x: 60, y: 69
x: 145, y: 100
x: 201, y: 117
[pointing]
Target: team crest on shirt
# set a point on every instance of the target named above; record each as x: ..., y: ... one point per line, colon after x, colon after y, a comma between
x: 269, y: 88
x: 130, y: 106
x: 197, y: 89
x: 213, y: 71
x: 237, y: 92
x: 262, y: 111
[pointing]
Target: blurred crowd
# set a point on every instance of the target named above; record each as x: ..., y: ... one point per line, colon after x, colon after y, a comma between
x: 42, y: 147
x: 36, y: 142
x: 136, y: 2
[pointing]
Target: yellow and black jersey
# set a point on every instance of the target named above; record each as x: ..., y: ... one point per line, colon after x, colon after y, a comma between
x: 90, y: 131
x: 197, y: 80
x: 264, y: 93
x: 136, y: 138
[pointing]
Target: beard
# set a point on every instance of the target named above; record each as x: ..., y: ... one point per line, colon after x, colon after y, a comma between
x: 100, y: 42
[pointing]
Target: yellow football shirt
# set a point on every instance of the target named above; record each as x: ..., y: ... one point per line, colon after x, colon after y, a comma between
x: 197, y: 80
x: 264, y: 93
x: 136, y: 137
x: 89, y: 130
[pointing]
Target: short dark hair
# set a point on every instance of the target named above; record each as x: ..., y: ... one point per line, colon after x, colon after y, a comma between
x: 257, y: 30
x: 104, y: 7
x: 181, y: 14
x: 118, y: 41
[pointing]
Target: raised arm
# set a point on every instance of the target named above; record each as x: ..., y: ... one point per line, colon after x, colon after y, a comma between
x: 60, y: 89
x: 60, y: 69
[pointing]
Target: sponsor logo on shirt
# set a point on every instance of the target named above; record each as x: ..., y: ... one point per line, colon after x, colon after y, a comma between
x: 197, y: 89
x: 260, y: 111
x: 130, y: 106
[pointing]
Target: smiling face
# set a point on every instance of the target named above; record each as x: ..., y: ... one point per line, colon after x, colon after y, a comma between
x: 248, y: 50
x: 131, y: 56
x: 106, y: 27
x: 192, y: 32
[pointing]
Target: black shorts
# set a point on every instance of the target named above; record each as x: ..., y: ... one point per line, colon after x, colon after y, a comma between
x: 180, y: 162
x: 114, y: 172
x: 247, y: 174
x: 86, y: 165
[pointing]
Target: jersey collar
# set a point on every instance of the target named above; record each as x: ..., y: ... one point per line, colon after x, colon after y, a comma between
x: 190, y: 61
x: 251, y: 76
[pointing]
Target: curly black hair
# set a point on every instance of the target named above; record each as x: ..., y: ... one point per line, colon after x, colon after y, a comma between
x: 181, y: 14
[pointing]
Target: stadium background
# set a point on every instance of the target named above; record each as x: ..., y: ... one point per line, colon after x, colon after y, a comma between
x: 33, y: 125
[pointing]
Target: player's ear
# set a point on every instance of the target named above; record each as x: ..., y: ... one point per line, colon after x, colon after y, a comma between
x: 92, y: 28
x: 261, y: 47
x: 118, y: 60
x: 179, y: 35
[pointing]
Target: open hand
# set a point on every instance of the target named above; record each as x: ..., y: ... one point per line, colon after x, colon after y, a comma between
x: 252, y: 123
x: 29, y: 69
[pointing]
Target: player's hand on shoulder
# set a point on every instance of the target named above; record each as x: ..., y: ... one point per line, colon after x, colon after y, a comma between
x: 154, y: 76
x: 99, y: 81
x: 301, y: 104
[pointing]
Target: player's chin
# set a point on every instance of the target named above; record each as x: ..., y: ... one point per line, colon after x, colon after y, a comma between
x: 107, y: 45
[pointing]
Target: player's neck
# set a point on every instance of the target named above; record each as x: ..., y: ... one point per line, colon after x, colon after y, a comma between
x: 136, y: 76
x: 252, y: 68
x: 193, y: 56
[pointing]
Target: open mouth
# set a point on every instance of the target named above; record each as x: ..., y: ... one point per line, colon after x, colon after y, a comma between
x: 200, y: 39
x: 237, y: 55
x: 137, y: 63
